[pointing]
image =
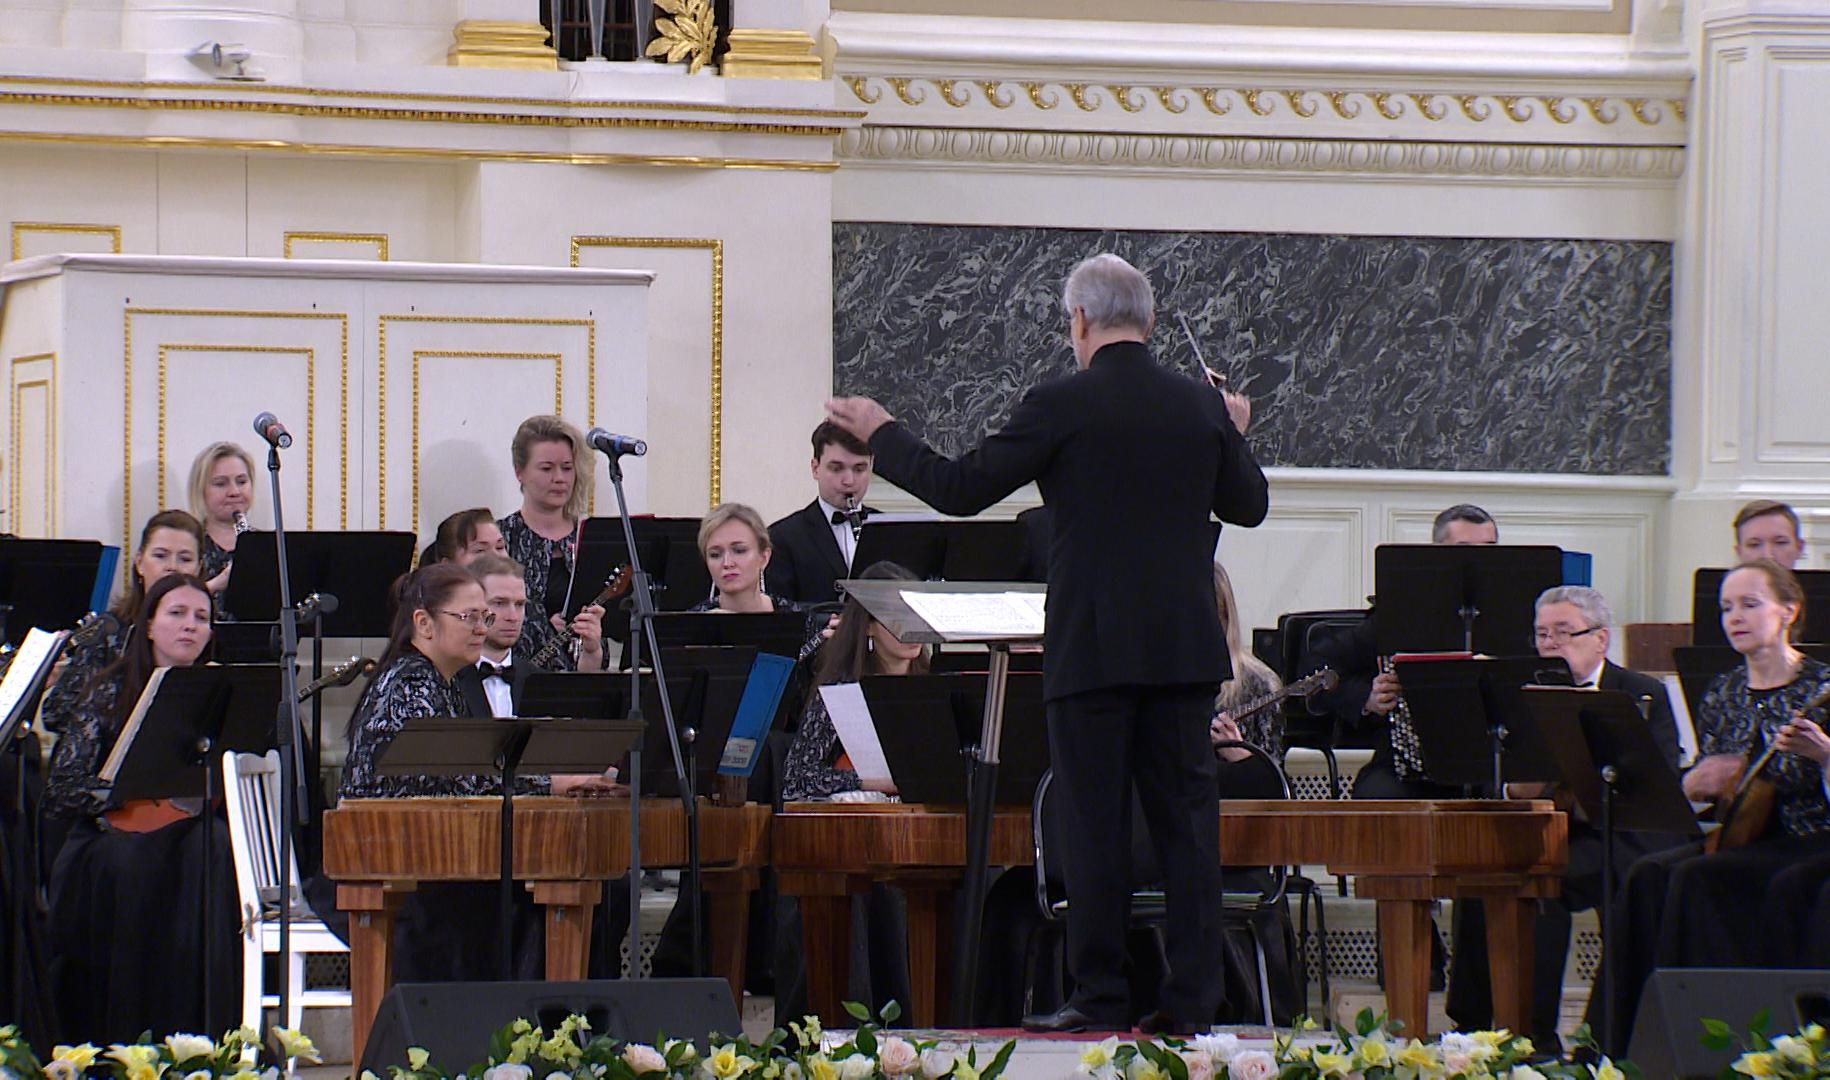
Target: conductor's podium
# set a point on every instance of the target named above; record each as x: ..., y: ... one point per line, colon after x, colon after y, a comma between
x: 565, y: 849
x: 1404, y: 854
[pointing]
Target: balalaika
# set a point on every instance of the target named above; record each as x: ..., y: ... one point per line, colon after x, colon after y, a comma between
x: 614, y: 586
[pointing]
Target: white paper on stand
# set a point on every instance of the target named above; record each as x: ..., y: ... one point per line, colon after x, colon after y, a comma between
x: 851, y: 718
x: 981, y: 615
x: 28, y: 666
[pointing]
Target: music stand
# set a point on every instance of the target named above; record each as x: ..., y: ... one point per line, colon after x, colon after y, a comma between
x: 358, y: 568
x: 883, y: 599
x: 1706, y: 608
x: 1471, y: 723
x: 930, y: 768
x: 946, y: 550
x: 1468, y: 597
x: 45, y: 583
x: 198, y: 714
x: 669, y: 547
x: 1603, y: 745
x: 465, y: 745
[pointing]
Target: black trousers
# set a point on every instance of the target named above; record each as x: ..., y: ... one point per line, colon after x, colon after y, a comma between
x: 1796, y: 914
x: 1098, y: 742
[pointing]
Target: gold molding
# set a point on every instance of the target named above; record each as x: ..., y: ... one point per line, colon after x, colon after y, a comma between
x: 420, y: 355
x: 448, y: 99
x: 21, y: 228
x: 381, y: 385
x: 774, y: 54
x: 311, y: 409
x: 436, y: 153
x: 716, y: 248
x: 127, y: 316
x: 416, y: 116
x: 380, y: 240
x: 49, y: 382
x: 496, y: 43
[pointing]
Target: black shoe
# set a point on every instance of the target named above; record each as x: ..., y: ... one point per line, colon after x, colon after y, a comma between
x: 1161, y: 1023
x: 1068, y: 1018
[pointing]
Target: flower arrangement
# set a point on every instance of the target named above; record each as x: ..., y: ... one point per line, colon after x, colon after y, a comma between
x: 236, y: 1056
x: 1803, y: 1056
x: 1373, y: 1050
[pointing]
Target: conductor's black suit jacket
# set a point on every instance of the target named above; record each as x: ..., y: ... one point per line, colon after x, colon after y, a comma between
x: 1130, y: 459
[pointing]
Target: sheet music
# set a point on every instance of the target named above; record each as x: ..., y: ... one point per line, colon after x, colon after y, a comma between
x: 987, y: 615
x: 851, y: 718
x: 28, y: 664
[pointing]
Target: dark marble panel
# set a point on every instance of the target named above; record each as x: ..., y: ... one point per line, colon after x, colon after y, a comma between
x: 1359, y: 352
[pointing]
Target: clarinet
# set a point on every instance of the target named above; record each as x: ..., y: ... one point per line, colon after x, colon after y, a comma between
x: 854, y: 516
x: 242, y: 524
x: 1407, y: 752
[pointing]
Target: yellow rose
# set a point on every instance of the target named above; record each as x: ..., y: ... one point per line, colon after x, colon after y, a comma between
x: 80, y: 1056
x: 1607, y: 1071
x: 1141, y: 1068
x: 1794, y: 1049
x: 1761, y: 1064
x: 1372, y: 1052
x: 1417, y: 1056
x: 726, y: 1063
x: 296, y: 1044
x: 1332, y: 1064
x: 1099, y: 1054
x: 1813, y: 1032
x: 1491, y: 1038
x: 417, y: 1056
x: 820, y: 1067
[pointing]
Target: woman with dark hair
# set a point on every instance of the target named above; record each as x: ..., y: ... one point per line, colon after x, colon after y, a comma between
x: 553, y: 468
x: 126, y: 905
x: 464, y: 536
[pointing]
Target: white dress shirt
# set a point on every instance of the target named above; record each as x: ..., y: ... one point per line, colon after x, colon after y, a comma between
x: 848, y: 546
x: 497, y: 689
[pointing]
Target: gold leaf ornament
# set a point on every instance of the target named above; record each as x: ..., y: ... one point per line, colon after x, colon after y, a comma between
x: 690, y: 33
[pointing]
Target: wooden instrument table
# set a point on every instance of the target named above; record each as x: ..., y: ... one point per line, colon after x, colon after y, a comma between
x: 377, y: 850
x: 1404, y: 854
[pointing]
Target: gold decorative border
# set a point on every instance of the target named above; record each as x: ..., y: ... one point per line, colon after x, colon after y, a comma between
x: 380, y: 240
x: 1347, y: 104
x: 127, y: 315
x: 716, y: 247
x: 381, y: 387
x: 50, y: 480
x: 435, y: 153
x: 21, y: 228
x: 311, y: 409
x: 420, y: 355
x: 450, y: 99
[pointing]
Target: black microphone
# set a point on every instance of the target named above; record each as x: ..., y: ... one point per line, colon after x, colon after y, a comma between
x: 317, y: 604
x: 616, y: 445
x: 268, y: 427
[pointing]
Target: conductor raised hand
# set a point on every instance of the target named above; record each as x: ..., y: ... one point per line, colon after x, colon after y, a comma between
x: 862, y: 416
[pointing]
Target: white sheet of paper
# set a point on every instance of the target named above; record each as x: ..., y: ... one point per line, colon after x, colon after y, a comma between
x: 33, y: 652
x: 983, y: 615
x: 851, y: 718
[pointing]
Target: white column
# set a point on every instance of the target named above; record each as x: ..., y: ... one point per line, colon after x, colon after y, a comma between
x: 32, y: 24
x: 170, y: 33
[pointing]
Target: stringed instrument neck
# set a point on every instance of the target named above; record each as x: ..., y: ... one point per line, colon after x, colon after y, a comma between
x: 1747, y: 810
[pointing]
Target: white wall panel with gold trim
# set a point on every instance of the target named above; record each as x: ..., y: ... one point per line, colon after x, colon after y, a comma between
x: 400, y: 382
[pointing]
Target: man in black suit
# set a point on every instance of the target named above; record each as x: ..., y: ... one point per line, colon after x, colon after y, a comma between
x: 492, y: 686
x: 1131, y: 459
x: 815, y: 544
x: 1572, y: 622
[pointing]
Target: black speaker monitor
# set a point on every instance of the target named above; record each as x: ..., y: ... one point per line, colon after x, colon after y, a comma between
x: 453, y: 1021
x: 1668, y: 1031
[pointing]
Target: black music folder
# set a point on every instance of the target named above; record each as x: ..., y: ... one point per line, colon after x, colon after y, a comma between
x: 1456, y: 705
x: 1588, y: 730
x: 1476, y: 597
x: 358, y: 568
x: 46, y: 583
x: 926, y: 724
x: 185, y: 720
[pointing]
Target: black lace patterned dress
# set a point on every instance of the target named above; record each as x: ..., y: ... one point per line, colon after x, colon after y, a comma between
x: 213, y: 559
x: 129, y: 910
x: 83, y: 662
x: 539, y: 558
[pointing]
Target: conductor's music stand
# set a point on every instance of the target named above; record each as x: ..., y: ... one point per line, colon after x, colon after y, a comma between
x: 465, y: 745
x: 883, y: 599
x: 1602, y: 742
x: 1474, y: 598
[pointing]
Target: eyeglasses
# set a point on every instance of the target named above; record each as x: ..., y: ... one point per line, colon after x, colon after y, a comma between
x: 486, y: 619
x: 1561, y: 636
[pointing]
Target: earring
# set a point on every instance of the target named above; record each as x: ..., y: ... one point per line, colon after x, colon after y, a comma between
x: 760, y: 586
x: 870, y: 644
x: 713, y: 598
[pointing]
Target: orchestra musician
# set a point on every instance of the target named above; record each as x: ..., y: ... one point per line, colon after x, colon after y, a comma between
x: 1252, y: 680
x: 1688, y: 907
x: 464, y: 536
x: 1765, y: 529
x: 127, y: 907
x: 1132, y: 458
x: 737, y: 549
x: 815, y: 544
x: 553, y: 467
x: 222, y: 494
x: 492, y: 686
x: 1574, y: 623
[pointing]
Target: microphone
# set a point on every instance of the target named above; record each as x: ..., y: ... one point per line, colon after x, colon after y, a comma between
x: 315, y: 605
x: 616, y: 445
x: 268, y: 427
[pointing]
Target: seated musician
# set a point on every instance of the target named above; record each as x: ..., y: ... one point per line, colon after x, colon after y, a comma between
x: 464, y: 536
x: 1574, y: 623
x: 1688, y: 907
x: 492, y: 686
x: 222, y: 494
x: 170, y: 543
x: 127, y: 900
x: 818, y: 541
x: 1252, y: 680
x: 1765, y: 529
x: 736, y: 548
x: 553, y: 468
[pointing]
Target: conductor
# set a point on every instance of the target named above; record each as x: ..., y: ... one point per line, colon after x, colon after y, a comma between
x: 1130, y: 458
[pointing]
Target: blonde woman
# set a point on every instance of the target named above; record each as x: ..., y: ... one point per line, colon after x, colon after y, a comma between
x: 1252, y: 679
x: 222, y: 492
x: 553, y: 468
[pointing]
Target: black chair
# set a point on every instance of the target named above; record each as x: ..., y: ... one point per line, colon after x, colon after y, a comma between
x: 1304, y: 724
x: 1250, y: 911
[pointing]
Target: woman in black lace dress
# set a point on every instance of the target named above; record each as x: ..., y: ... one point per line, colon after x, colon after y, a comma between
x: 553, y: 468
x: 222, y: 495
x: 127, y: 907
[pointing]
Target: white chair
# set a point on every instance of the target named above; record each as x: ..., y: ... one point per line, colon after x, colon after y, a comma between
x: 253, y: 787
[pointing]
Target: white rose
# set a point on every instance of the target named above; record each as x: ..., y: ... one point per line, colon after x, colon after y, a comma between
x: 508, y: 1072
x: 1524, y: 1072
x: 186, y: 1047
x: 1252, y: 1065
x: 856, y: 1067
x: 936, y: 1063
x: 897, y: 1057
x: 1200, y: 1066
x: 1221, y: 1048
x: 557, y: 1075
x: 642, y: 1058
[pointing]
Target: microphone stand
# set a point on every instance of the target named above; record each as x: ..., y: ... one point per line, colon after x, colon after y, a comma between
x: 641, y: 624
x: 285, y: 735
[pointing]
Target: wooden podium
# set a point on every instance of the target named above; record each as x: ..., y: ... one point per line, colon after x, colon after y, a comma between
x: 377, y: 850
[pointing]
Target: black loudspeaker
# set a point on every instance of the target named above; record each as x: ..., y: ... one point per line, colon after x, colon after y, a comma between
x: 453, y: 1021
x: 1667, y: 1032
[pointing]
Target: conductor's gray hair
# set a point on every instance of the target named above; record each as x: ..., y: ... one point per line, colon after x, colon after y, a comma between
x: 1111, y: 292
x: 1590, y: 602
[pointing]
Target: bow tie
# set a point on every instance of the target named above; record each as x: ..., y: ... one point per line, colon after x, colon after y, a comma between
x: 493, y: 671
x: 839, y: 516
